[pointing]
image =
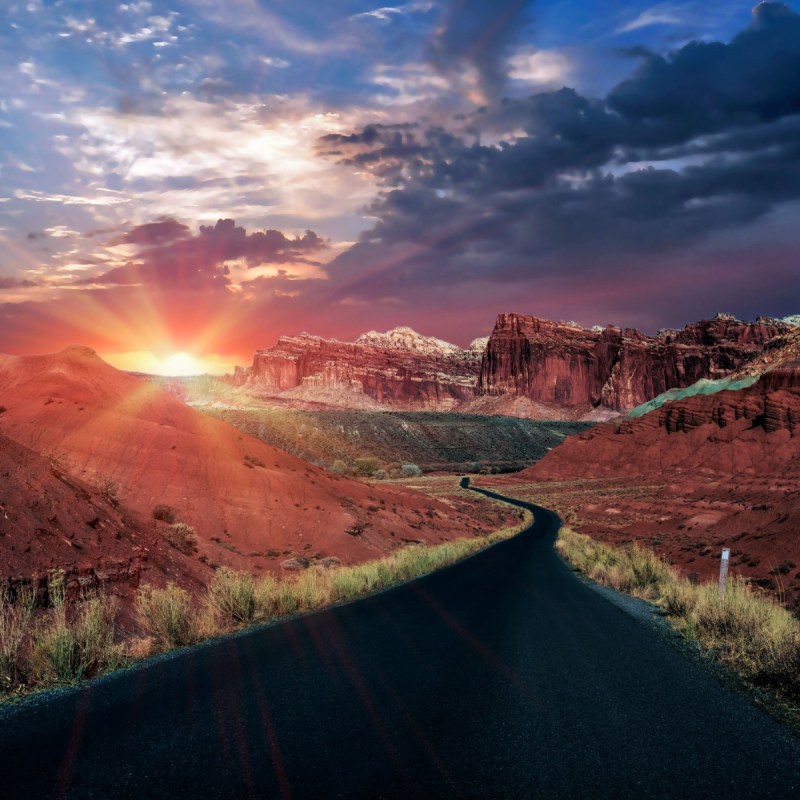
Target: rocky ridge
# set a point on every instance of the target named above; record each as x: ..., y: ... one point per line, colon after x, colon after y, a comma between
x: 528, y: 367
x: 694, y: 475
x: 400, y: 369
x: 564, y: 365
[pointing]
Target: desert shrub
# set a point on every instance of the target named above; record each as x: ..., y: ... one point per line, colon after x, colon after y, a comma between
x: 110, y: 490
x: 365, y: 467
x: 411, y: 471
x: 380, y: 475
x: 168, y: 615
x: 339, y: 467
x: 15, y: 616
x: 632, y: 569
x: 232, y: 597
x: 72, y: 644
x: 678, y: 598
x: 164, y: 513
x: 182, y: 537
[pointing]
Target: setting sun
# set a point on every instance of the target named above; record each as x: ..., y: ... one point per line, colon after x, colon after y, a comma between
x: 179, y: 364
x: 173, y: 365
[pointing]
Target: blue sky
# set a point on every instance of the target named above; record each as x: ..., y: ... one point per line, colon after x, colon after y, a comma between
x: 116, y: 116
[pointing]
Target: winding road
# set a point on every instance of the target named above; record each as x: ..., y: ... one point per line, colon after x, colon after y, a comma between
x: 503, y: 676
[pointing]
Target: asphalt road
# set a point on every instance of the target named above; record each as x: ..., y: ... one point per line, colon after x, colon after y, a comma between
x: 500, y: 677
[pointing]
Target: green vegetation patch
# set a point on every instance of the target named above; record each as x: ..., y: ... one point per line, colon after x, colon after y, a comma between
x: 701, y: 387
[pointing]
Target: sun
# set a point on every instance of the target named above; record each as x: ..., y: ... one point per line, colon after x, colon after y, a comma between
x: 180, y: 364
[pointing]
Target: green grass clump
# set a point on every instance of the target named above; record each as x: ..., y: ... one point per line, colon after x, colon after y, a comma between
x: 742, y: 627
x: 69, y: 645
x: 167, y: 615
x: 15, y: 618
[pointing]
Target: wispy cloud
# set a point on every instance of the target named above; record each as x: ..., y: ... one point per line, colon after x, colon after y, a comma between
x: 387, y: 14
x: 108, y: 198
x: 661, y: 14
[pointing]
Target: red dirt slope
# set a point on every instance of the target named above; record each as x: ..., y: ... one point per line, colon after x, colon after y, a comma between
x: 251, y: 504
x: 49, y: 520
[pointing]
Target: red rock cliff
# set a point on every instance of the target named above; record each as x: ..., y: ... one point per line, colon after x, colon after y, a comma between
x: 400, y: 369
x: 754, y: 430
x: 616, y: 369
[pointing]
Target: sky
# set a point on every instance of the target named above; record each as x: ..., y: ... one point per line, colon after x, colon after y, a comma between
x: 182, y: 182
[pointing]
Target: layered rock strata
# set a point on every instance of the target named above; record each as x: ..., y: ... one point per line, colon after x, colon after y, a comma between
x: 399, y: 369
x: 563, y: 364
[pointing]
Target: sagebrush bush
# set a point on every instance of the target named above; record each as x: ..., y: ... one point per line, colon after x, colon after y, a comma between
x: 410, y: 471
x: 182, y: 537
x: 168, y: 615
x: 110, y: 490
x: 72, y: 644
x: 339, y: 467
x: 365, y: 467
x: 232, y: 597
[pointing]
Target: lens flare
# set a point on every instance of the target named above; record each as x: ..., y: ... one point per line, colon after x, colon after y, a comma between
x: 180, y: 364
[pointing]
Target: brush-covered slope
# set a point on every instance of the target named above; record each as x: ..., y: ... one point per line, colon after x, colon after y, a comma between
x: 451, y: 442
x: 249, y: 502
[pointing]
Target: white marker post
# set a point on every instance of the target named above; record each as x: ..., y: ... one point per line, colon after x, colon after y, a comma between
x: 723, y: 569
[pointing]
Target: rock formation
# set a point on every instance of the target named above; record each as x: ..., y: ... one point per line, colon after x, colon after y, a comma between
x: 400, y: 369
x: 695, y: 475
x: 562, y: 364
x: 528, y: 367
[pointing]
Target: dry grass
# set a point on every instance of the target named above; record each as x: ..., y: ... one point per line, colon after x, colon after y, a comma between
x: 232, y: 597
x: 167, y: 615
x: 237, y: 599
x: 744, y: 628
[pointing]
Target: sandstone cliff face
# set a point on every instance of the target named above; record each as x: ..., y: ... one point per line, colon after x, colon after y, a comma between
x: 399, y: 369
x: 744, y: 432
x: 528, y: 367
x: 563, y: 364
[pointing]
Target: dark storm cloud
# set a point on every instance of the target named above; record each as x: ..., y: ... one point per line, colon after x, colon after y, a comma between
x: 567, y: 192
x: 154, y: 233
x: 170, y: 255
x: 478, y: 33
x: 711, y: 87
